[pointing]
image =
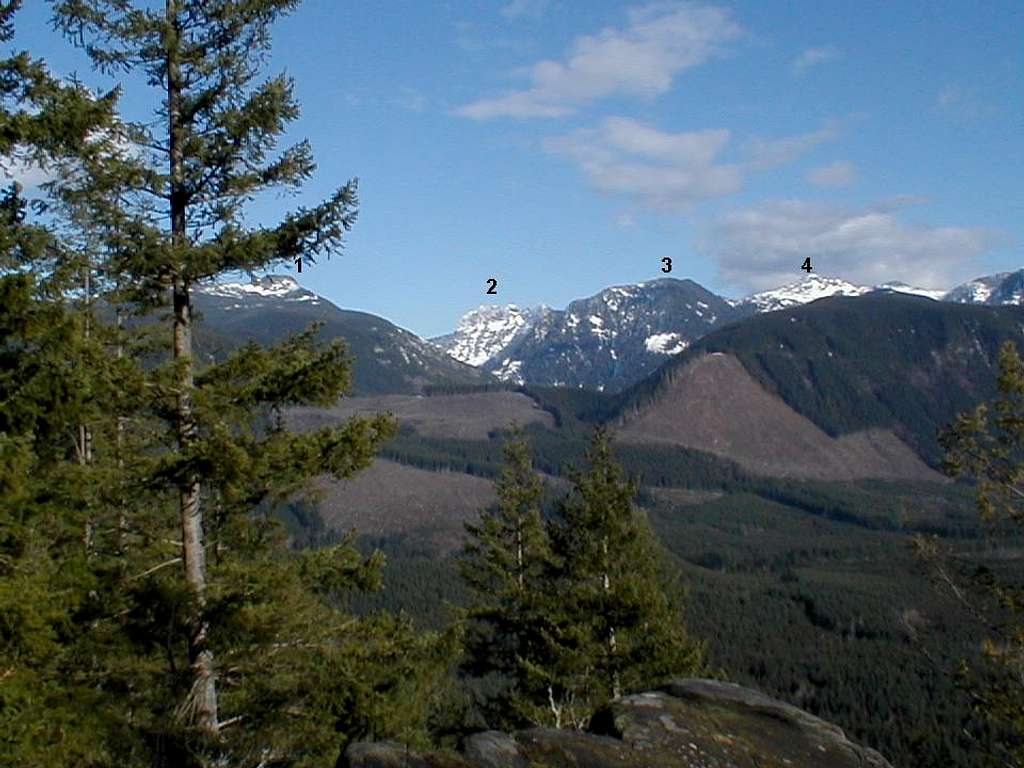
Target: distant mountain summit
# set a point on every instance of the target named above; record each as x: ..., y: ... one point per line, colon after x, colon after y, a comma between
x: 616, y: 337
x: 388, y: 359
x: 814, y: 287
x: 605, y: 341
x: 999, y: 289
x: 271, y: 288
x: 485, y: 331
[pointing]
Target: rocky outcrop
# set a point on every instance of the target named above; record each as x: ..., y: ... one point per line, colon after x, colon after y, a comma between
x: 685, y: 724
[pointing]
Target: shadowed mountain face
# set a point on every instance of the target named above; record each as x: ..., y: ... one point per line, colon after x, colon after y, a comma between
x: 388, y: 359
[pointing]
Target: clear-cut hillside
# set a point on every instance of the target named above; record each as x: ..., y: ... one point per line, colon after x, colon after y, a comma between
x: 388, y: 359
x: 471, y: 416
x: 712, y: 404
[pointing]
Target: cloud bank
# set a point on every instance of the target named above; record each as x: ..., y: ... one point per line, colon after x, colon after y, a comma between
x: 641, y: 59
x: 672, y: 171
x: 764, y: 246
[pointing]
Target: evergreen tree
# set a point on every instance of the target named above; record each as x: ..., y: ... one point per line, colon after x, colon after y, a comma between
x: 48, y: 384
x: 507, y: 564
x: 623, y: 628
x: 987, y: 445
x: 198, y: 636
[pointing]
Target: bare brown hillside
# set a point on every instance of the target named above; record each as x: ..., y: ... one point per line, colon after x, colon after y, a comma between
x: 468, y: 416
x: 391, y: 498
x: 714, y: 405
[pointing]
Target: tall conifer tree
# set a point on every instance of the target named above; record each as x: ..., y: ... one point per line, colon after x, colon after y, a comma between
x: 986, y: 445
x: 48, y: 716
x: 267, y: 646
x: 507, y: 564
x: 623, y: 612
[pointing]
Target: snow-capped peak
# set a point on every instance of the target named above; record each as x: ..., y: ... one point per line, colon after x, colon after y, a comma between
x: 814, y: 287
x: 270, y: 286
x: 484, y: 332
x: 804, y: 291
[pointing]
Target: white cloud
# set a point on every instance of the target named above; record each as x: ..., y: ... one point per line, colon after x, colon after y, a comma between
x: 955, y: 101
x: 812, y: 57
x: 660, y: 41
x: 766, y: 154
x: 664, y: 170
x: 661, y: 170
x: 841, y: 173
x: 520, y: 8
x: 764, y: 246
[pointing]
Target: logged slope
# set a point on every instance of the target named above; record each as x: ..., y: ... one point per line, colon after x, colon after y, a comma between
x: 471, y: 416
x: 390, y: 499
x: 713, y: 404
x: 389, y: 360
x: 895, y: 362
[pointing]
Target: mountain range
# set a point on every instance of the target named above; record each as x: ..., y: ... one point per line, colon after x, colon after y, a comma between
x: 622, y: 334
x: 607, y: 342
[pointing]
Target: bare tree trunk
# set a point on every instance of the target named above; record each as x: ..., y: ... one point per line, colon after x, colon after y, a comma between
x: 607, y: 584
x: 519, y: 554
x: 83, y: 441
x: 202, y: 704
x: 122, y: 517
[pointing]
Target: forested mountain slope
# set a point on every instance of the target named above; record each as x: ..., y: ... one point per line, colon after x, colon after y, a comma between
x: 895, y: 362
x: 389, y: 360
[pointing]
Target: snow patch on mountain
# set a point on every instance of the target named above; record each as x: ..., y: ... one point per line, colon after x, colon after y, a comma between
x: 998, y: 289
x: 509, y: 370
x: 816, y: 287
x: 665, y: 344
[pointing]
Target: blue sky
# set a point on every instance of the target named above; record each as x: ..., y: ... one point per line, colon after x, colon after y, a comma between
x: 564, y: 147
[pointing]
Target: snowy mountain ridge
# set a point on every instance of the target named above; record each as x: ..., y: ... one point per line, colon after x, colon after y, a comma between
x: 274, y: 287
x: 490, y: 335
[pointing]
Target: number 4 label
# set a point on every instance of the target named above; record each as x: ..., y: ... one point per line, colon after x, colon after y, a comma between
x: 807, y: 265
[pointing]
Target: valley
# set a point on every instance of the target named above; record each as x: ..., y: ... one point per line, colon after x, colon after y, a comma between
x: 785, y: 448
x: 527, y: 383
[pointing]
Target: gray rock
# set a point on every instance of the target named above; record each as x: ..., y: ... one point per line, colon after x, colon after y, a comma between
x: 493, y: 749
x: 391, y: 754
x: 685, y: 724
